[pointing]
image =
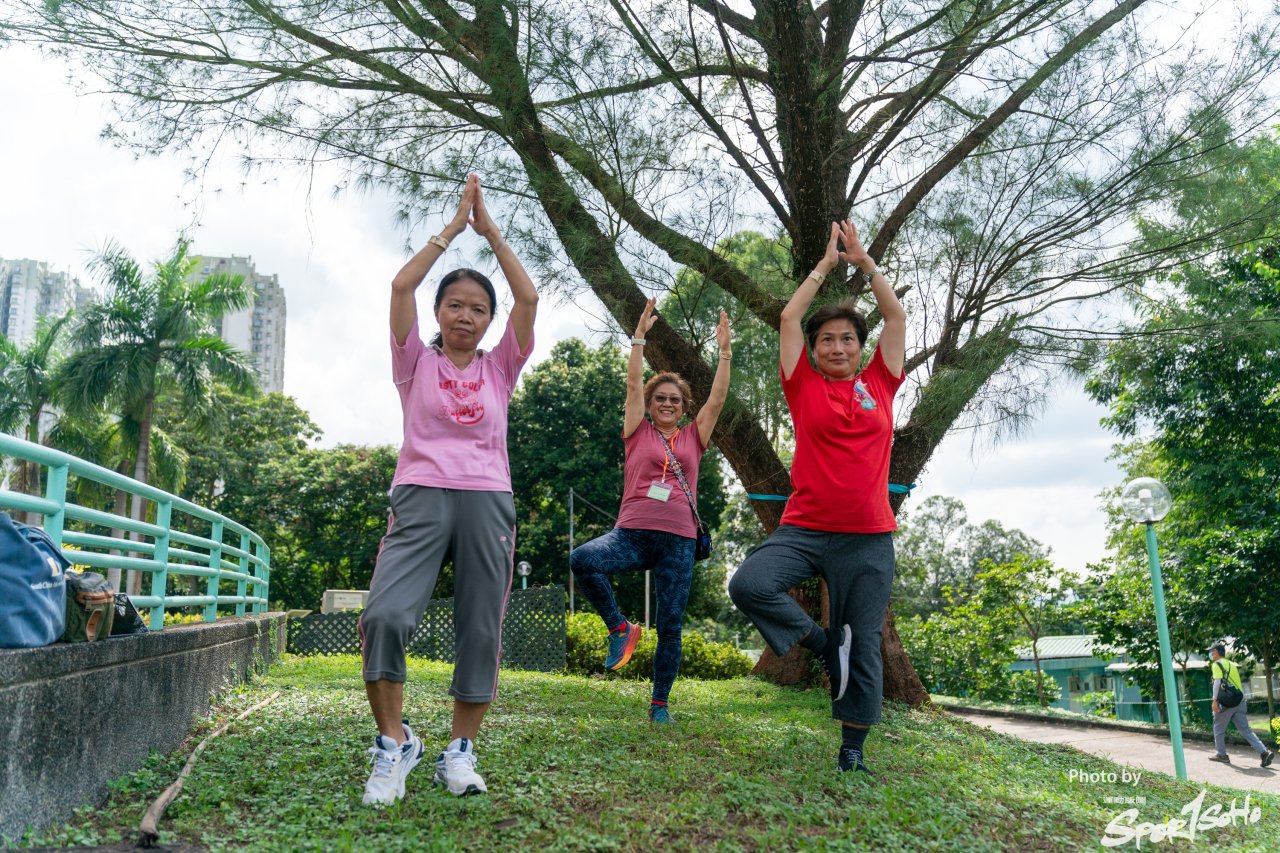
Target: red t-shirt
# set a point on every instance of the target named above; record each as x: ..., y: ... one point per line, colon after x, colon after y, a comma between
x: 646, y: 466
x: 844, y: 432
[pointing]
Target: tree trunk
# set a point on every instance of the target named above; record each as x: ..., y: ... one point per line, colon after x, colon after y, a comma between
x: 1035, y: 654
x: 137, y: 509
x: 119, y: 508
x: 29, y: 472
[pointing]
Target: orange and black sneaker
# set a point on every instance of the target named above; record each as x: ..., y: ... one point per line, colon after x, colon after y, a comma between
x: 622, y: 644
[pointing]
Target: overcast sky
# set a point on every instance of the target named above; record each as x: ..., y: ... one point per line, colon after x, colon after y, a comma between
x: 66, y: 194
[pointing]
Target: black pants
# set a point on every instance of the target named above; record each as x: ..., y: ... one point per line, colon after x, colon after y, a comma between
x: 858, y: 569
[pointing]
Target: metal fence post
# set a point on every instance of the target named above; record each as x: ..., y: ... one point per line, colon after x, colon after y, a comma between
x: 160, y: 577
x: 260, y: 571
x: 215, y: 563
x: 56, y: 491
x: 246, y: 567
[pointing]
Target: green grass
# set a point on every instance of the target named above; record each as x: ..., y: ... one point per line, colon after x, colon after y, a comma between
x: 573, y: 764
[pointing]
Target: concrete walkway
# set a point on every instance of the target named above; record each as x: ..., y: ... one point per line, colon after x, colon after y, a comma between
x: 1144, y: 751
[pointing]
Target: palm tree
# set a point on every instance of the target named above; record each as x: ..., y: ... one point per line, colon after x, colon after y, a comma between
x: 153, y: 334
x: 28, y: 387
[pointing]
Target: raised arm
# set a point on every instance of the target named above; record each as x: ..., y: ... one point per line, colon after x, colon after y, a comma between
x: 710, y: 411
x: 523, y: 292
x: 633, y: 412
x: 404, y: 305
x: 892, y: 342
x: 791, y: 329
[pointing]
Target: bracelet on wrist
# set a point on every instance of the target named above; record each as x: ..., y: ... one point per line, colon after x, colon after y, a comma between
x: 819, y: 277
x: 726, y: 356
x: 637, y: 342
x: 439, y: 240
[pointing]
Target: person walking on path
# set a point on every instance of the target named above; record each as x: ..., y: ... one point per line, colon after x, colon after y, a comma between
x: 451, y: 495
x: 838, y: 522
x: 1227, y: 675
x: 657, y: 522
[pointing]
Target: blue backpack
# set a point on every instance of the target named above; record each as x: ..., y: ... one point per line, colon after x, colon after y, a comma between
x: 33, y: 586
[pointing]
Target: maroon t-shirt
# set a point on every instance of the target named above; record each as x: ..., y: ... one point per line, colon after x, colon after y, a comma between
x: 646, y: 465
x: 844, y: 433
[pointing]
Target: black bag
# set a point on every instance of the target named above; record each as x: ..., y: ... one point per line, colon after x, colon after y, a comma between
x: 702, y: 538
x: 1229, y: 695
x: 127, y: 619
x: 702, y: 544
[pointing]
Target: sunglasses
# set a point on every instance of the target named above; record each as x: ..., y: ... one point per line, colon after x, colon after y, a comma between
x: 663, y: 398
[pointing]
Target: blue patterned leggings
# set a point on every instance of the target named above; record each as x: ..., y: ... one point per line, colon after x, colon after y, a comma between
x: 625, y: 549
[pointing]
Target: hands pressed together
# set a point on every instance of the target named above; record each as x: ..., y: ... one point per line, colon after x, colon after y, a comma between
x: 472, y: 211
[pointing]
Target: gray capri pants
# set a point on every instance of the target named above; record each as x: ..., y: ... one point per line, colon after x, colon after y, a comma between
x: 858, y: 569
x: 426, y: 524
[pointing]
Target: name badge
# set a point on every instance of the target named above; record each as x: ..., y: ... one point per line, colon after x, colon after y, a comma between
x: 659, y: 492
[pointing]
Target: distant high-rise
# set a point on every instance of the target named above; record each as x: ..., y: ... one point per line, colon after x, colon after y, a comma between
x: 30, y: 290
x: 258, y: 329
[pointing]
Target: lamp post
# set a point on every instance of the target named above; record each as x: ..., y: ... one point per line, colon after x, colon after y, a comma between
x: 1146, y: 500
x: 523, y: 569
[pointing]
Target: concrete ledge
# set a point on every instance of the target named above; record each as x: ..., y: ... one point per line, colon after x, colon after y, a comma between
x: 76, y: 716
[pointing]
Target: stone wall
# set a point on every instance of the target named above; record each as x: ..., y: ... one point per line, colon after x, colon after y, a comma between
x: 74, y: 716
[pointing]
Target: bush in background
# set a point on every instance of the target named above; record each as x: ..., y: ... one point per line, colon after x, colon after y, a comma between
x: 1100, y: 703
x: 586, y: 645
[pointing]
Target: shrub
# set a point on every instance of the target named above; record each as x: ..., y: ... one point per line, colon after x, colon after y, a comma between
x: 586, y: 645
x: 1100, y: 703
x: 1022, y: 688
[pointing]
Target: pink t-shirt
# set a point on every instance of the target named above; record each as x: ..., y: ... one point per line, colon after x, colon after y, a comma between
x: 455, y: 421
x: 647, y: 464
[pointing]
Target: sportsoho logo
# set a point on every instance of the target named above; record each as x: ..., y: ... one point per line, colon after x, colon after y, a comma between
x: 1126, y: 827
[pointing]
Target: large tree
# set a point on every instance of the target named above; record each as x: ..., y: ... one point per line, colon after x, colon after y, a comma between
x: 996, y: 150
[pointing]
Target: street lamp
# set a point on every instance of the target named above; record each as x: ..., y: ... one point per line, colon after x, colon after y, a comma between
x: 1146, y: 500
x: 523, y: 569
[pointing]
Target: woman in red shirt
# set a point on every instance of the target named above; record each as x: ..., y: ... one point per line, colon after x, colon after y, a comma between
x: 838, y: 523
x: 655, y: 529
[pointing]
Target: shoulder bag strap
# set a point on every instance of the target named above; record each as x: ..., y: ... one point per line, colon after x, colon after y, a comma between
x: 680, y: 478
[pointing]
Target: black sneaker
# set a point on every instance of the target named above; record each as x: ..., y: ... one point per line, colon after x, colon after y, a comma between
x: 1225, y: 759
x: 850, y: 760
x: 1267, y: 758
x: 835, y: 660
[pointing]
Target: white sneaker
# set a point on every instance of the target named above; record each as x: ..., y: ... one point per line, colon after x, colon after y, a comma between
x: 456, y: 769
x: 391, y: 764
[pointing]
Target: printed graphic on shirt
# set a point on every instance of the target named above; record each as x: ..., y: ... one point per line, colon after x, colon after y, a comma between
x: 462, y: 400
x: 863, y: 396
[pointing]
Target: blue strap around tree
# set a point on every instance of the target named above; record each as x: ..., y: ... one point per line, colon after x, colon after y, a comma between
x: 894, y: 489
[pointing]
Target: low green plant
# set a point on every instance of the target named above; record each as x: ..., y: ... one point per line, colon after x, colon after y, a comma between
x: 586, y: 641
x: 1100, y: 703
x: 1023, y: 691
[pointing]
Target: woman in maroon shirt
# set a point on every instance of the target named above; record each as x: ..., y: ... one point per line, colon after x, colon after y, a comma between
x: 655, y: 529
x: 838, y: 523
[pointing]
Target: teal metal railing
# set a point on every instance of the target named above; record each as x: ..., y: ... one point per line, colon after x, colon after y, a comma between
x: 164, y: 549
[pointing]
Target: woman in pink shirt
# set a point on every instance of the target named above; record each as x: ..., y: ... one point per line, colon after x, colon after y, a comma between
x: 451, y: 494
x: 656, y: 526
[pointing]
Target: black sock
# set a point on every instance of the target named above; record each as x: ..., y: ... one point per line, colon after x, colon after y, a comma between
x: 851, y: 738
x: 816, y: 640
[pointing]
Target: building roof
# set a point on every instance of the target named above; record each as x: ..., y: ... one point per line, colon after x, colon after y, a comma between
x: 1060, y: 646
